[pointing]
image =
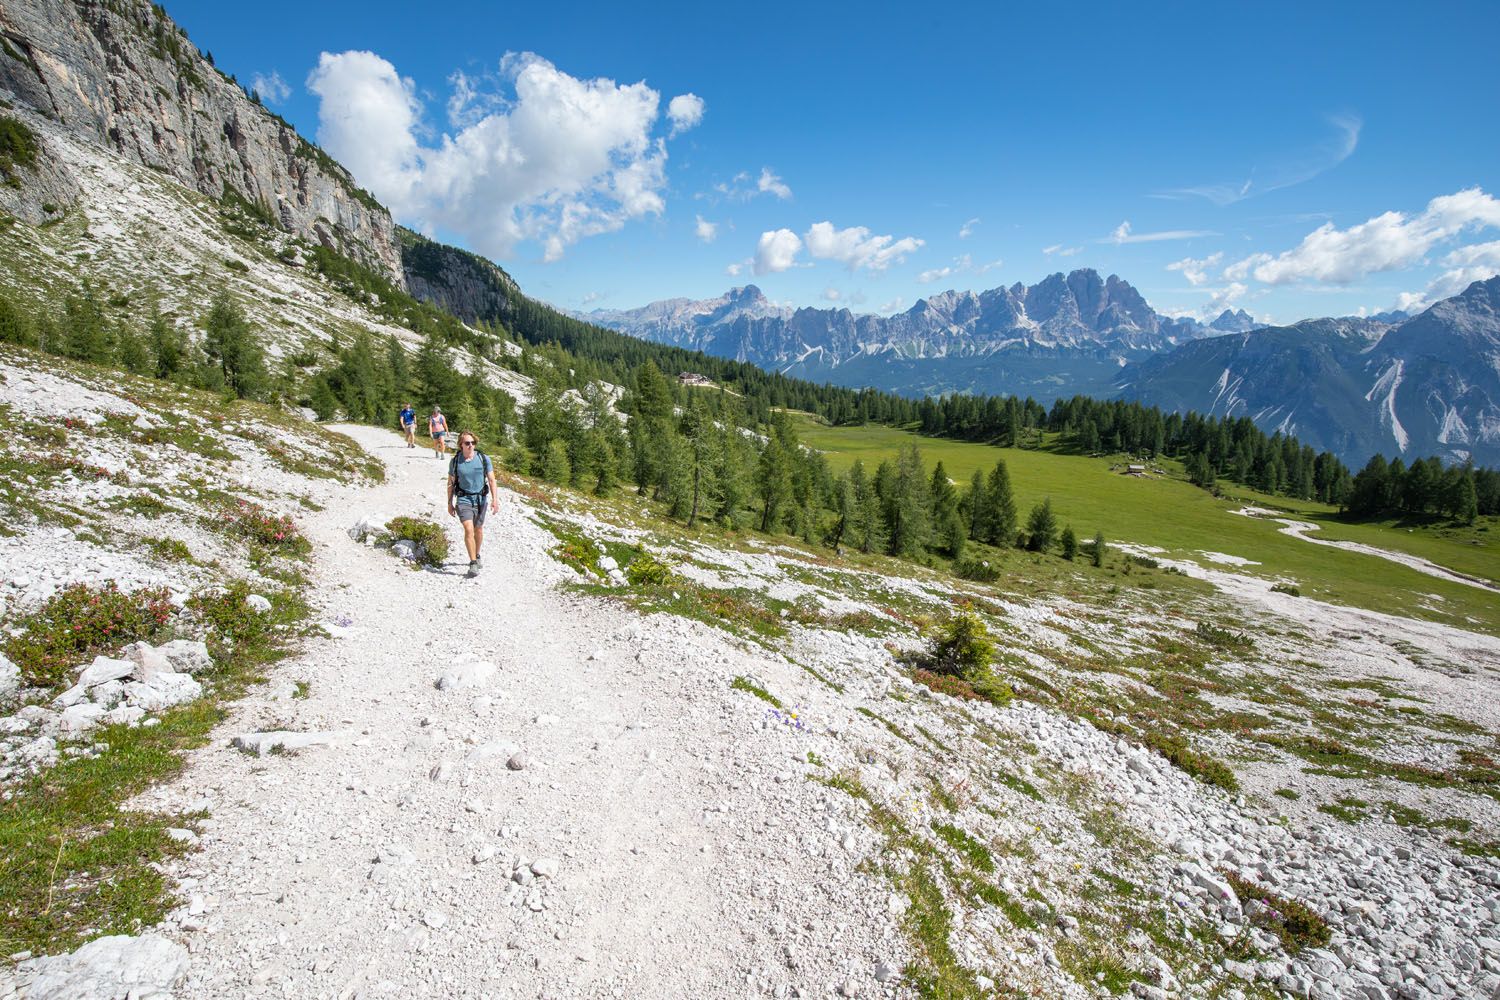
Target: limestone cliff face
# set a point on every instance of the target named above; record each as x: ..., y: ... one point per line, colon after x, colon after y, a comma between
x: 122, y: 73
x: 464, y: 284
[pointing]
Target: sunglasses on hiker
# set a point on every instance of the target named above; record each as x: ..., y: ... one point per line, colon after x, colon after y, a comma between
x: 466, y: 444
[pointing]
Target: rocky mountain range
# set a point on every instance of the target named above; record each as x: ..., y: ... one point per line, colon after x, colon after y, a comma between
x: 1428, y: 385
x: 1068, y: 333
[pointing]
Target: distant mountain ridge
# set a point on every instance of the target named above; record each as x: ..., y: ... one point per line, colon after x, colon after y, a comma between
x: 1067, y: 333
x: 1427, y: 385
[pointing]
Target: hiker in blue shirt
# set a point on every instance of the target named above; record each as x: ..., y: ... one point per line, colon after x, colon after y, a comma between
x: 471, y: 481
x: 409, y: 424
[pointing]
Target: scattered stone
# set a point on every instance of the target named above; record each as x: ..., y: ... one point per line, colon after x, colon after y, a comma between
x: 257, y: 603
x: 261, y: 744
x: 436, y: 919
x: 10, y: 678
x: 466, y: 675
x: 517, y: 762
x: 545, y: 867
x: 187, y: 656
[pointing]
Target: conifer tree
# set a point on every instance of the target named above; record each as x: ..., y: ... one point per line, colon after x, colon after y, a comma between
x: 1041, y: 527
x: 999, y: 526
x: 1069, y: 543
x: 555, y: 465
x: 169, y: 347
x: 911, y: 505
x: 86, y: 333
x: 1096, y: 556
x: 978, y: 506
x: 231, y: 347
x: 16, y: 326
x: 773, y: 484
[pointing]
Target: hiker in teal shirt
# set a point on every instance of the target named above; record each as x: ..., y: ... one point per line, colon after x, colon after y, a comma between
x: 471, y: 481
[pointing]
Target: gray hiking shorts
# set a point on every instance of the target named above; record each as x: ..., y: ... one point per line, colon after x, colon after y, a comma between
x: 473, y: 510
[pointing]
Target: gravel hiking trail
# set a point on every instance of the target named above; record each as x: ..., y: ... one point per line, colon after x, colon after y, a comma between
x: 601, y: 816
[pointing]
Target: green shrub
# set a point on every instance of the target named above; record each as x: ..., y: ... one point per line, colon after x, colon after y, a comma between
x: 430, y: 538
x: 254, y: 522
x: 1291, y: 920
x: 81, y: 622
x: 976, y: 570
x: 1069, y: 543
x: 645, y: 570
x: 750, y: 687
x: 1285, y: 588
x: 233, y: 628
x: 169, y: 549
x: 18, y: 148
x: 1096, y: 551
x: 962, y: 647
x: 1201, y: 766
x: 1223, y: 638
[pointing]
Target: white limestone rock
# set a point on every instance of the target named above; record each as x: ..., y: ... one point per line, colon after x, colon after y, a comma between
x: 10, y: 678
x: 261, y: 744
x: 187, y: 656
x: 117, y: 966
x: 162, y: 691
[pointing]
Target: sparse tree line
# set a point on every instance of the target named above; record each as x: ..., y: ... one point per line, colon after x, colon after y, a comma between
x: 1390, y: 489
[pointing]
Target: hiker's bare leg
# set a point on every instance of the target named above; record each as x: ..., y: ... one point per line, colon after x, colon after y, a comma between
x: 478, y: 541
x: 472, y: 537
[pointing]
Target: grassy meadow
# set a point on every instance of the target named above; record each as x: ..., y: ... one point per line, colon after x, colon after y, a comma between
x: 1172, y: 514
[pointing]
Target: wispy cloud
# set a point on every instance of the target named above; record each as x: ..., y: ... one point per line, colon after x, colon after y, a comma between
x: 895, y: 305
x: 1124, y: 234
x: 272, y: 89
x: 1196, y: 270
x: 742, y: 186
x: 961, y: 265
x: 1061, y: 251
x: 705, y: 230
x: 591, y: 298
x: 967, y: 229
x: 1283, y: 172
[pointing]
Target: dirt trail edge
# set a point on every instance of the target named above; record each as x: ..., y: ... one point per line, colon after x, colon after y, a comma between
x: 600, y: 815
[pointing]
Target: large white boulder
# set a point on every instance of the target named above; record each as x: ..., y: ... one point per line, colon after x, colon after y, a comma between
x: 119, y: 966
x: 188, y: 656
x: 162, y: 690
x: 105, y: 668
x: 147, y: 660
x: 10, y: 678
x: 365, y: 526
x: 82, y: 716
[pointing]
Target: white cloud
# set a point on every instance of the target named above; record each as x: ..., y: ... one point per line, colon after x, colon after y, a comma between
x: 1387, y: 242
x: 777, y: 251
x: 1486, y: 255
x: 1196, y: 270
x: 895, y: 305
x: 1444, y: 286
x: 591, y: 298
x: 769, y: 183
x: 967, y: 229
x: 561, y: 160
x: 1285, y: 172
x: 1240, y: 269
x: 272, y: 89
x: 856, y: 248
x: 832, y: 295
x: 705, y: 230
x: 993, y: 265
x: 684, y: 111
x: 959, y: 265
x: 1061, y: 251
x: 1123, y: 234
x: 1223, y: 297
x: 734, y: 270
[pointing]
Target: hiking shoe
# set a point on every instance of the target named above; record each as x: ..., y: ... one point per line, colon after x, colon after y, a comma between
x: 473, y: 568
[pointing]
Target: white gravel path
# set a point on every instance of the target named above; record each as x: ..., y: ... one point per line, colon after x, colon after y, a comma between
x: 1304, y: 530
x: 691, y: 856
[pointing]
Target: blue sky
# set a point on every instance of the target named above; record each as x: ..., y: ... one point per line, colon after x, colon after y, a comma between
x: 1289, y: 159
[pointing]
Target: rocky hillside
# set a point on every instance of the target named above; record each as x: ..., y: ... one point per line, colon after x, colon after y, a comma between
x: 1428, y: 385
x: 123, y: 74
x: 1064, y: 335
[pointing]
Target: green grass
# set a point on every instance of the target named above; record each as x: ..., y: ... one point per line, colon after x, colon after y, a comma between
x: 75, y: 863
x: 1185, y: 520
x: 749, y: 686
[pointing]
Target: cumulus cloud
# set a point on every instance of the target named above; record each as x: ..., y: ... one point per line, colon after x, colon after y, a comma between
x: 1223, y: 297
x: 777, y: 251
x: 272, y: 89
x: 895, y: 305
x: 1387, y: 242
x: 967, y: 229
x: 705, y: 230
x: 1285, y: 171
x: 832, y: 295
x: 556, y: 160
x: 1196, y: 270
x: 684, y: 111
x: 1123, y: 234
x: 769, y: 183
x: 856, y: 248
x: 734, y: 270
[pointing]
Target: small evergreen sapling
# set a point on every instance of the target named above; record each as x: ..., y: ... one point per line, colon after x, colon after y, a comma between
x: 1069, y: 543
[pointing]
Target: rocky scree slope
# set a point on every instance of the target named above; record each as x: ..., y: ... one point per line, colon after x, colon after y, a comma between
x: 123, y: 74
